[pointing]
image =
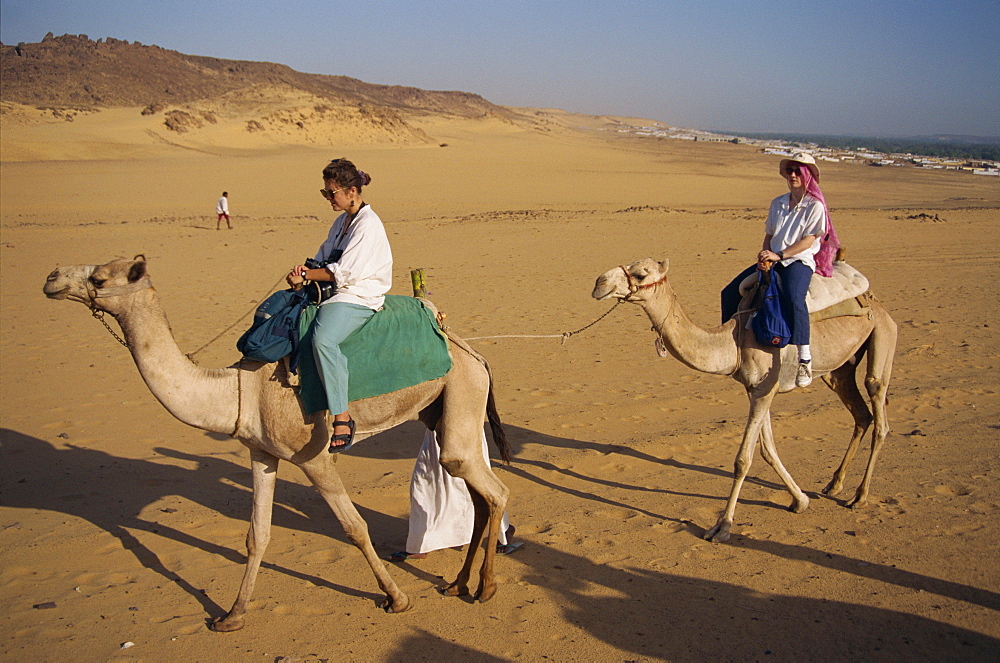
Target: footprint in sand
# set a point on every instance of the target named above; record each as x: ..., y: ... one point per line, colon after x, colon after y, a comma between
x: 301, y: 610
x: 953, y: 491
x: 664, y: 563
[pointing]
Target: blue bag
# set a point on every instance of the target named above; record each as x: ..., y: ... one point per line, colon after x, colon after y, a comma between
x: 768, y: 322
x: 275, y: 330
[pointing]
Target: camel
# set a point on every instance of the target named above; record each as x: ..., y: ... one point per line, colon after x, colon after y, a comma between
x: 838, y: 345
x: 256, y: 404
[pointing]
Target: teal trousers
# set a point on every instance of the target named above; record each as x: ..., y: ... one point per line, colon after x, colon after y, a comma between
x: 334, y: 323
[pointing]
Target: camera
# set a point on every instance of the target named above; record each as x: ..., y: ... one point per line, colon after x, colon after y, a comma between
x: 319, y: 291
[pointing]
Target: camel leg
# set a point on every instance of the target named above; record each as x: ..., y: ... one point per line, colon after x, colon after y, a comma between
x: 800, y: 502
x: 760, y: 406
x: 265, y: 473
x: 877, y: 385
x: 844, y: 383
x: 323, y: 474
x: 464, y: 460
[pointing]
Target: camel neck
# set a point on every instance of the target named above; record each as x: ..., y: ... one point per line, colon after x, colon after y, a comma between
x: 199, y: 397
x: 707, y: 350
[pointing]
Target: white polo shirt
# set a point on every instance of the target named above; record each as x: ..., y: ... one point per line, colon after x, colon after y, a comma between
x: 788, y: 225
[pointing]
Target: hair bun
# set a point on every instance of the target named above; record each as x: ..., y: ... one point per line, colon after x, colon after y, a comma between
x: 364, y: 177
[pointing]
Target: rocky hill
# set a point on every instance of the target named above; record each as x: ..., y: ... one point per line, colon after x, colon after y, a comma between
x: 203, y: 97
x: 75, y: 71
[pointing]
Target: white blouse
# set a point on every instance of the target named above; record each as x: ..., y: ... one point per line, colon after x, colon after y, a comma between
x: 363, y: 274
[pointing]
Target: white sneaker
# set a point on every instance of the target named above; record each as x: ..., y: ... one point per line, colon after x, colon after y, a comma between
x: 804, y: 376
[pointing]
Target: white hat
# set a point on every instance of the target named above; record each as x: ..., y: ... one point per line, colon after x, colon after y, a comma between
x: 803, y: 158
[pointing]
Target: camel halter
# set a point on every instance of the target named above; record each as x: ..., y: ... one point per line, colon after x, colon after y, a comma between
x: 634, y: 287
x: 115, y: 291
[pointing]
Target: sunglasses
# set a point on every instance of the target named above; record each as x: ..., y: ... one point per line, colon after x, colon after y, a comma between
x: 326, y: 193
x: 792, y: 170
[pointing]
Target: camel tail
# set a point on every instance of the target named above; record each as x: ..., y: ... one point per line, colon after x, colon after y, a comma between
x: 496, y: 426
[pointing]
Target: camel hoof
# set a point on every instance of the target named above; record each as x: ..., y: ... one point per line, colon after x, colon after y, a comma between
x: 227, y: 624
x: 717, y: 534
x: 486, y: 593
x: 857, y: 503
x: 799, y: 505
x: 455, y: 589
x: 396, y: 606
x: 833, y: 488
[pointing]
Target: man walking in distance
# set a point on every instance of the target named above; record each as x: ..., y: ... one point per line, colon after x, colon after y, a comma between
x: 222, y: 209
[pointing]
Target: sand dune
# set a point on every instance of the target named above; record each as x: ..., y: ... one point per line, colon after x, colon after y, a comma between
x: 119, y: 524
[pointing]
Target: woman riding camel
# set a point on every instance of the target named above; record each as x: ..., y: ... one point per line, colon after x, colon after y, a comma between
x: 798, y: 239
x: 357, y: 260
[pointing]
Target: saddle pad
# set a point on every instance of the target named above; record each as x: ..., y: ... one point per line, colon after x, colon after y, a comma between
x: 825, y: 291
x: 400, y: 346
x: 857, y: 306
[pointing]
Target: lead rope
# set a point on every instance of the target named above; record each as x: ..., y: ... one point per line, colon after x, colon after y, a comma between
x: 236, y: 322
x: 565, y: 336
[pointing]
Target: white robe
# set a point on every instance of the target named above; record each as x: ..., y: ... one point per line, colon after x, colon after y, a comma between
x: 441, y: 510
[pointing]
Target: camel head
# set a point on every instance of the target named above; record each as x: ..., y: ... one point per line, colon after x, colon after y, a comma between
x: 98, y: 286
x: 630, y: 282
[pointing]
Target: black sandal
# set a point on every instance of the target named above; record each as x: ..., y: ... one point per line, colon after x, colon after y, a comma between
x: 346, y: 439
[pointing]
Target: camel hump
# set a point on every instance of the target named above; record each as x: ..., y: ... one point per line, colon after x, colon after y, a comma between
x: 825, y: 291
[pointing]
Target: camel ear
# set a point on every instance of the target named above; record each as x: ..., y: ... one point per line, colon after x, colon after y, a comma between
x: 665, y: 264
x: 136, y: 272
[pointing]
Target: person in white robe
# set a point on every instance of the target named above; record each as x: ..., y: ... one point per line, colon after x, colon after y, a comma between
x: 441, y: 510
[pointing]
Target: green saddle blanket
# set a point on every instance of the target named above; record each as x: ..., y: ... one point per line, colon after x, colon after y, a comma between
x: 400, y: 346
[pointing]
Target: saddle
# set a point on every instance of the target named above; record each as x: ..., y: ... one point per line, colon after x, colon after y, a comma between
x: 400, y: 346
x: 847, y: 288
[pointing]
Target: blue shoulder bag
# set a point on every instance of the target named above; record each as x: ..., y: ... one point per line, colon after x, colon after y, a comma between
x: 275, y: 330
x: 768, y: 323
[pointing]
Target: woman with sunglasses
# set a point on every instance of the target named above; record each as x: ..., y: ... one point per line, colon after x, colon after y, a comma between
x: 796, y: 223
x: 357, y: 261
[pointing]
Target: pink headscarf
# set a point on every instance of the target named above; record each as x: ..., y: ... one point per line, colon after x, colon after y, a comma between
x: 829, y: 243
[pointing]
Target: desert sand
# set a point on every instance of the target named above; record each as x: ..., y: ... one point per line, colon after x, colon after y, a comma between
x: 121, y: 525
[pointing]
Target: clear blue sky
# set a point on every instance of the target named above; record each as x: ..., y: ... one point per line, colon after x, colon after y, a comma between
x: 893, y: 67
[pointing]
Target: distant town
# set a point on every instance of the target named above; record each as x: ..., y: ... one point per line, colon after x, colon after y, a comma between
x: 785, y: 148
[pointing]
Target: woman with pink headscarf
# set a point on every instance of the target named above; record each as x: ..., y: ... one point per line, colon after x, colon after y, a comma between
x: 799, y: 239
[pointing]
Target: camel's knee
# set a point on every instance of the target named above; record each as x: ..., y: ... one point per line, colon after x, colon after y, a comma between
x: 767, y: 455
x: 452, y: 466
x: 357, y: 535
x: 741, y: 466
x: 873, y: 386
x: 354, y: 527
x: 255, y: 543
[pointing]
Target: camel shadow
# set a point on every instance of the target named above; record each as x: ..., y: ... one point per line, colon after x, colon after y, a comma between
x: 660, y: 615
x: 403, y: 442
x: 663, y: 616
x: 73, y: 481
x: 524, y: 468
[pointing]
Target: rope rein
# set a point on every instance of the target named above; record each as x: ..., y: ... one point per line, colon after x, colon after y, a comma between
x: 238, y: 320
x: 565, y: 336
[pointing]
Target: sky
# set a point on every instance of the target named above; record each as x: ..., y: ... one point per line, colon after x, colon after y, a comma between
x: 874, y: 67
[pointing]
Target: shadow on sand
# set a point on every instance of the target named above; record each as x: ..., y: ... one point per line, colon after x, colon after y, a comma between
x: 653, y: 613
